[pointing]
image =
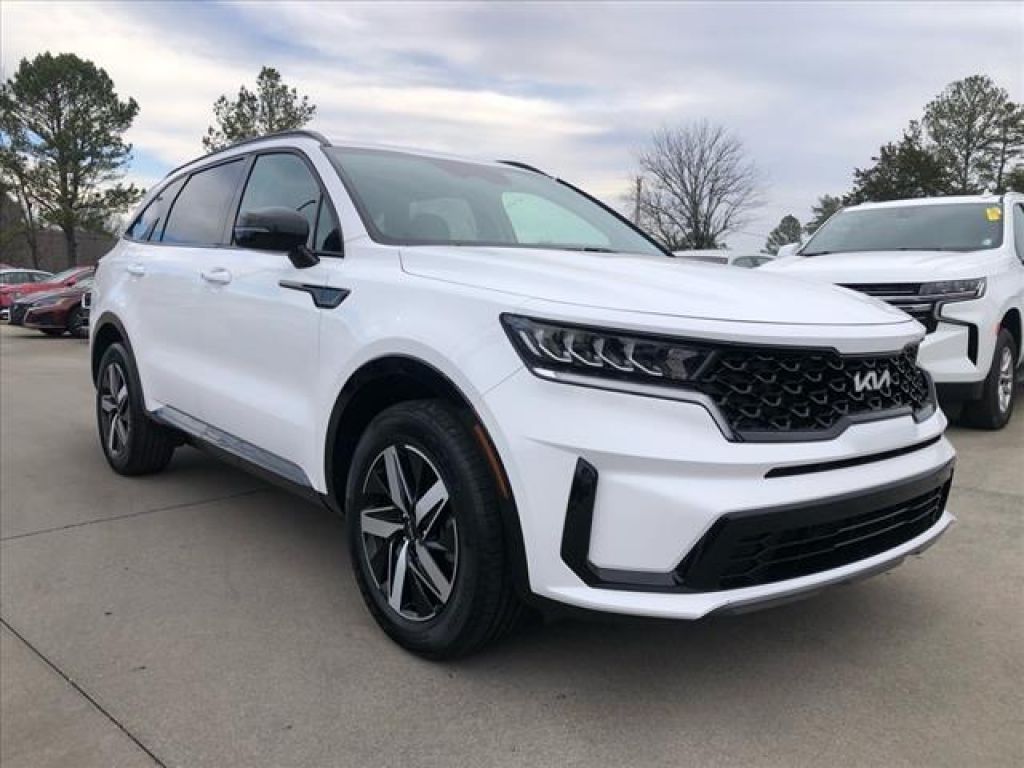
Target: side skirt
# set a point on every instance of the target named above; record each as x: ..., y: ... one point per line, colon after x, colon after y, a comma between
x: 239, y: 453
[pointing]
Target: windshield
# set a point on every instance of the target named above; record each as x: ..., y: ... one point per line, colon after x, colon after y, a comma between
x: 945, y: 227
x: 408, y: 199
x: 60, y: 277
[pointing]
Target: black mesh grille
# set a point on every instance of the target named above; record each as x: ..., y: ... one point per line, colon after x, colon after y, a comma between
x: 763, y: 548
x: 778, y: 394
x: 905, y: 296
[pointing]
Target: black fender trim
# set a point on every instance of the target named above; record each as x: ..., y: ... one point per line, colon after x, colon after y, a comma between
x: 405, y: 365
x: 108, y: 318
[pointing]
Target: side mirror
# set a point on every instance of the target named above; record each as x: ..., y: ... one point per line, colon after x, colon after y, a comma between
x: 789, y: 249
x: 276, y: 229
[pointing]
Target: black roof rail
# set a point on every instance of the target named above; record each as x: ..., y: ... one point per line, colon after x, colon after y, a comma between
x: 298, y: 133
x: 524, y: 166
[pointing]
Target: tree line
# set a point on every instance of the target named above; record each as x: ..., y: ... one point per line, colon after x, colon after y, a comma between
x: 63, y: 154
x: 969, y: 140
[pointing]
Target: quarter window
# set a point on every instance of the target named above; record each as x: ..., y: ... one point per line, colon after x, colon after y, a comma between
x: 328, y: 233
x: 197, y: 216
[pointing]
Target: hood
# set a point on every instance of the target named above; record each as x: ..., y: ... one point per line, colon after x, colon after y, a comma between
x: 52, y: 293
x: 647, y: 284
x: 890, y: 266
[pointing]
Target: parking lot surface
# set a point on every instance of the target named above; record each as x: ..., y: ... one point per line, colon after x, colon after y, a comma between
x: 203, y: 618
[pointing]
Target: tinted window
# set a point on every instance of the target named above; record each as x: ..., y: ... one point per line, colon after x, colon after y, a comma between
x: 197, y: 217
x: 538, y: 221
x: 282, y: 181
x: 328, y: 233
x: 151, y: 220
x: 411, y: 199
x: 943, y: 227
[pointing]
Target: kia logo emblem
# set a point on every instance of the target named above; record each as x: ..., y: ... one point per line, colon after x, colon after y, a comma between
x: 872, y: 381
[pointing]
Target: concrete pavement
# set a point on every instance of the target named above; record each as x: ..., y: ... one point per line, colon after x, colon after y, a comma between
x: 204, y: 618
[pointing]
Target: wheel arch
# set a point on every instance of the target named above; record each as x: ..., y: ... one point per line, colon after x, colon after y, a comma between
x: 107, y: 330
x: 387, y: 381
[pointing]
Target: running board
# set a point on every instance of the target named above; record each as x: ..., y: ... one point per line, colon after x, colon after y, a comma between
x: 230, y: 445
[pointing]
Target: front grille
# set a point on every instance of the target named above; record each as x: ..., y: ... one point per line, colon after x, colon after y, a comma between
x: 772, y: 394
x: 903, y: 296
x: 751, y: 549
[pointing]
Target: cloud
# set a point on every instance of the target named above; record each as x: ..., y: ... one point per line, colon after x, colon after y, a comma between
x: 812, y: 89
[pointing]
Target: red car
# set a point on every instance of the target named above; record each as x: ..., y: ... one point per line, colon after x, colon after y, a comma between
x: 57, y: 312
x: 9, y: 292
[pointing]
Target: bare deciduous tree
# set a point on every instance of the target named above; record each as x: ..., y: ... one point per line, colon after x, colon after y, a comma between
x: 697, y: 186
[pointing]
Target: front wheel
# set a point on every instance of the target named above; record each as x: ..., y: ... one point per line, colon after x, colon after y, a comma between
x: 78, y: 323
x: 425, y: 532
x: 994, y: 408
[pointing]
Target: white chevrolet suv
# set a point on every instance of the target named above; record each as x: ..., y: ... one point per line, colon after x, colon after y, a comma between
x: 513, y: 395
x: 956, y: 264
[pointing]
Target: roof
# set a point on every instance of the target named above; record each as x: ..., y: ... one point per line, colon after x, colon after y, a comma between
x: 951, y: 199
x: 291, y: 138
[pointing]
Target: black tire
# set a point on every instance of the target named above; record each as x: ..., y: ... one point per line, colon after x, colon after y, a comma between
x: 428, y: 438
x: 140, y: 446
x: 53, y: 331
x: 78, y: 323
x: 995, y: 407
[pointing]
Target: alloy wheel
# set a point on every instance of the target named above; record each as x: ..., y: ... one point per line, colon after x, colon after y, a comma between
x: 116, y: 410
x: 1005, y: 382
x: 409, y: 535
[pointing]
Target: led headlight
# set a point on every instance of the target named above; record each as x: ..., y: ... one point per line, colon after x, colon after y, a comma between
x: 569, y: 352
x: 955, y: 290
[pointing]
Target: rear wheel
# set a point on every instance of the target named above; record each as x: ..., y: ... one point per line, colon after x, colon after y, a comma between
x: 425, y: 532
x: 132, y: 442
x: 994, y: 408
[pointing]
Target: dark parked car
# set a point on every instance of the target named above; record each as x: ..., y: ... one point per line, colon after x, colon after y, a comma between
x: 57, y: 312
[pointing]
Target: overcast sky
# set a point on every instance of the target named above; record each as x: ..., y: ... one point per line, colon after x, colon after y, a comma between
x: 574, y: 88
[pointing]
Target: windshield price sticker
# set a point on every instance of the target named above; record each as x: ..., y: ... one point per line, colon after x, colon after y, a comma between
x: 993, y: 213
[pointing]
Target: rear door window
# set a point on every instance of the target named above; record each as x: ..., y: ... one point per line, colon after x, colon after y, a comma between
x: 197, y: 217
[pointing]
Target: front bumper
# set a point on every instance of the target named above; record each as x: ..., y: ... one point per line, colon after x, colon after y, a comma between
x: 49, y: 318
x: 666, y: 476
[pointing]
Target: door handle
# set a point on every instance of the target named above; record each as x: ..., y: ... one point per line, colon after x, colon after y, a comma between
x: 217, y: 276
x: 136, y: 269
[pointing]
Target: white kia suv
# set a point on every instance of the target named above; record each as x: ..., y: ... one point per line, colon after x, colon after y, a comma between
x: 513, y: 395
x: 956, y: 264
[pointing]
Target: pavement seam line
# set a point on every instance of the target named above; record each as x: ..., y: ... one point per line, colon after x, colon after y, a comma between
x: 140, y: 513
x: 83, y: 693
